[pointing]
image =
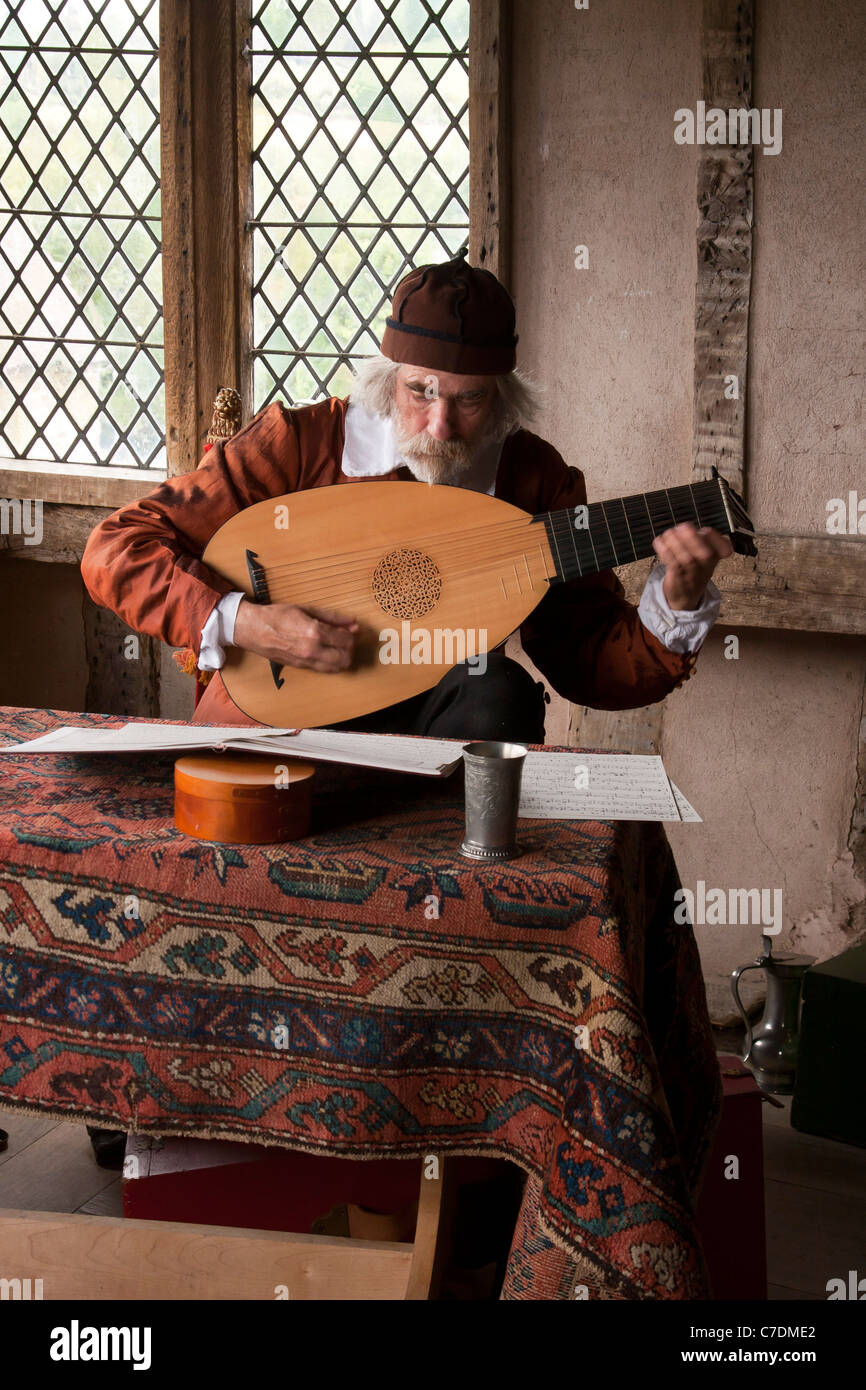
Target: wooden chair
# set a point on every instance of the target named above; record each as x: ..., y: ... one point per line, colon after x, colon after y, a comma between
x: 94, y: 1257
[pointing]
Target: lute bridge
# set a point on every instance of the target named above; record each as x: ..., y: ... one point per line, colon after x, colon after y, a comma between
x: 261, y: 594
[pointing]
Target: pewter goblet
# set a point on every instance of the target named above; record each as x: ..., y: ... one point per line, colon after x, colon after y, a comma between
x: 492, y: 779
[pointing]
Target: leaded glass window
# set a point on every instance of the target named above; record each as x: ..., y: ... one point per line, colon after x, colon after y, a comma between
x: 360, y: 165
x: 81, y: 341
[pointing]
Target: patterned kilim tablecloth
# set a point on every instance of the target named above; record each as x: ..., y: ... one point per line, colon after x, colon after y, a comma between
x: 367, y: 992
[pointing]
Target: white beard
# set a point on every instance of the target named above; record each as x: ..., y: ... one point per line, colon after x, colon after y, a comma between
x: 429, y: 460
x: 443, y: 461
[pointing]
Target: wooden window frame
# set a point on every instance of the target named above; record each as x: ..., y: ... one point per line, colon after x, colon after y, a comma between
x: 207, y: 249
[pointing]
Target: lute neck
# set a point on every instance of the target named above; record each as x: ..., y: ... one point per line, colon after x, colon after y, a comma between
x: 604, y: 535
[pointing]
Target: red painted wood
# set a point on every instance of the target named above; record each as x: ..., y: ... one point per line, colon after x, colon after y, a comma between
x: 730, y: 1213
x: 256, y: 1186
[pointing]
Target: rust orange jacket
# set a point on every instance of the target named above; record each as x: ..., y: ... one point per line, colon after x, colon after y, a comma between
x: 144, y: 561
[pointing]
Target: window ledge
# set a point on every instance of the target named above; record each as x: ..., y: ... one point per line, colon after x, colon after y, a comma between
x: 81, y: 484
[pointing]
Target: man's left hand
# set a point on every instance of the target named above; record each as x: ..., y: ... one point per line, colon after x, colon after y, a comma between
x: 691, y: 557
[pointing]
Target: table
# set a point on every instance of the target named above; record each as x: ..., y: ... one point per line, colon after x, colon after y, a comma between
x: 367, y: 992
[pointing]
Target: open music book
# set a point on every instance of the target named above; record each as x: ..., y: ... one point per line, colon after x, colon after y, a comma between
x: 558, y: 786
x: 430, y: 757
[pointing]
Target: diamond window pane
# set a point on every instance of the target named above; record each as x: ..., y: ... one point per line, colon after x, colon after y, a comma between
x: 81, y: 357
x: 360, y: 163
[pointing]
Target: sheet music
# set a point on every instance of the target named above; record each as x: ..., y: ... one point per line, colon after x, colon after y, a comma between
x: 618, y: 786
x: 431, y: 757
x: 137, y: 738
x: 685, y: 808
x: 596, y: 786
x: 428, y: 756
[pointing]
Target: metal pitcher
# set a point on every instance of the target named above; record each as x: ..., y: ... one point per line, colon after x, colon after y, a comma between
x: 771, y: 1047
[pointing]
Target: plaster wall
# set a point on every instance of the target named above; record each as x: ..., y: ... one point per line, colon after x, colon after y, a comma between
x: 764, y: 745
x: 43, y: 659
x: 807, y: 359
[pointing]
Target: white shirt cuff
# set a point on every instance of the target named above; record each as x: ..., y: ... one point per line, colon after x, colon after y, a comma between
x: 218, y: 632
x: 680, y: 630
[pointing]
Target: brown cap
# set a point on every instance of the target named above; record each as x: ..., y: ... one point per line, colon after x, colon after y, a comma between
x: 452, y: 317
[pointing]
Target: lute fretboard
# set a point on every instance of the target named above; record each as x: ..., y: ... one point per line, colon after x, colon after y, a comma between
x: 604, y: 535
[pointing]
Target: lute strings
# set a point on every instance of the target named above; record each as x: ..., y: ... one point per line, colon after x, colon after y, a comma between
x: 611, y: 528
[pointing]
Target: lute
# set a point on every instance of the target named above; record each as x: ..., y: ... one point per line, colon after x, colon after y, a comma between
x: 434, y: 575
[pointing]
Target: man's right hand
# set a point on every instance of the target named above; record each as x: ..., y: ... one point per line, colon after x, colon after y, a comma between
x: 312, y: 637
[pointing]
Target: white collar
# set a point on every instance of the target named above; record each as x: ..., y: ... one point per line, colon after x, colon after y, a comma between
x: 370, y: 449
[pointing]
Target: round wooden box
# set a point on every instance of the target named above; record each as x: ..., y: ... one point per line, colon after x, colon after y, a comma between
x: 242, y: 798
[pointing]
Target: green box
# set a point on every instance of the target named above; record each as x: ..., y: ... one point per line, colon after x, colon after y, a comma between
x: 829, y: 1088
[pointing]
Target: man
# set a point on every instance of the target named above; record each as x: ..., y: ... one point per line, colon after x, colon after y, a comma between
x: 442, y: 403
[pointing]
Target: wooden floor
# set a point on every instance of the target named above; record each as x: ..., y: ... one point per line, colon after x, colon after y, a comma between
x: 815, y: 1191
x: 49, y: 1166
